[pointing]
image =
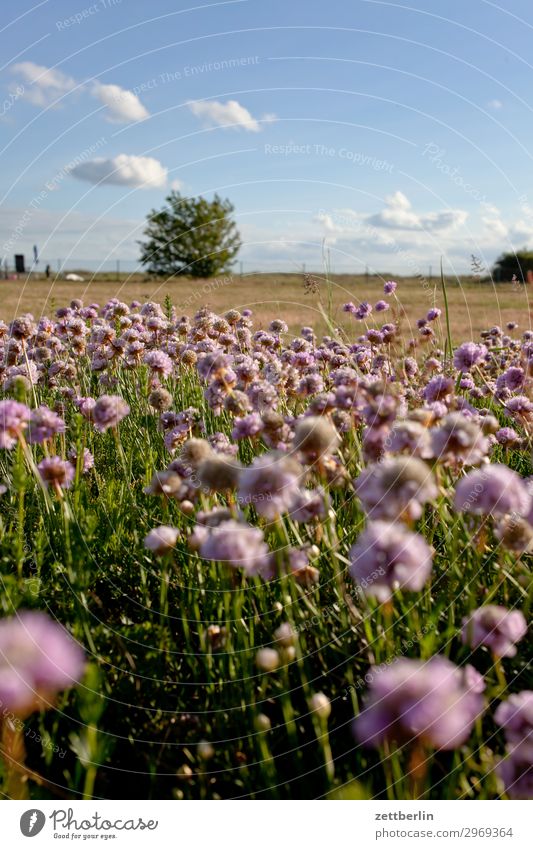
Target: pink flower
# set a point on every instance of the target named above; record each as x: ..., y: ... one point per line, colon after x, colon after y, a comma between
x: 496, y: 627
x: 161, y: 540
x: 108, y: 411
x: 387, y: 557
x: 493, y: 490
x: 38, y: 658
x: 433, y: 701
x: 13, y: 420
x: 56, y: 472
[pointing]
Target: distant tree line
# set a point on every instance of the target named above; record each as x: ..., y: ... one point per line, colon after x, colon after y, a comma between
x: 513, y: 265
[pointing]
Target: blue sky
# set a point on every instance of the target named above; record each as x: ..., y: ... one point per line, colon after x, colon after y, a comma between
x: 383, y: 134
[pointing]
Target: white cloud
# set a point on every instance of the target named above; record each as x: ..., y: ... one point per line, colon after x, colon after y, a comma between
x: 176, y: 185
x: 123, y: 106
x: 229, y: 114
x: 399, y: 215
x: 495, y: 104
x: 42, y: 85
x: 142, y: 172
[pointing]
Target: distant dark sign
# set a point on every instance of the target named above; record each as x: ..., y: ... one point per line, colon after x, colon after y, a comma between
x: 19, y: 264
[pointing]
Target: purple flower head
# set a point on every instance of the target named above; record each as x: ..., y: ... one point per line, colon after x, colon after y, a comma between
x: 108, y: 411
x: 349, y: 307
x: 387, y: 557
x: 239, y: 546
x: 56, y: 472
x: 493, y: 490
x: 159, y: 363
x: 513, y: 378
x: 389, y: 287
x: 506, y: 436
x: 396, y: 488
x: 495, y: 627
x: 363, y: 310
x: 87, y: 461
x: 432, y: 701
x: 438, y: 388
x: 13, y: 419
x: 515, y: 716
x: 308, y: 504
x: 270, y: 483
x: 410, y: 437
x: 44, y: 424
x: 459, y: 441
x: 520, y: 407
x: 433, y: 313
x: 38, y: 658
x: 161, y: 540
x: 381, y: 306
x: 516, y: 771
x: 247, y: 426
x: 468, y: 355
x: 86, y: 407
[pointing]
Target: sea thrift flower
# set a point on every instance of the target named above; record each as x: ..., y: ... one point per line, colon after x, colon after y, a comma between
x: 238, y: 545
x: 433, y: 313
x: 270, y: 483
x: 381, y: 306
x: 219, y: 474
x: 468, y: 355
x: 248, y: 426
x: 520, y: 408
x: 495, y: 627
x: 307, y: 505
x: 87, y: 462
x: 159, y: 363
x: 410, y: 437
x: 38, y: 658
x: 267, y: 660
x: 515, y: 716
x: 44, y: 424
x: 56, y: 472
x: 516, y: 772
x: 506, y: 436
x: 389, y: 287
x: 161, y: 540
x: 387, y: 557
x: 108, y: 411
x: 363, y: 310
x: 432, y: 701
x: 459, y: 441
x: 438, y: 388
x: 493, y: 490
x: 315, y: 436
x: 13, y: 420
x: 320, y: 705
x: 396, y: 488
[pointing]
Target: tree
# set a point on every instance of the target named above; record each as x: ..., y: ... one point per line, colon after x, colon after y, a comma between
x: 517, y: 264
x: 190, y: 236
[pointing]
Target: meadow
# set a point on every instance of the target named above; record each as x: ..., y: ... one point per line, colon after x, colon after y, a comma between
x: 266, y: 538
x: 473, y: 305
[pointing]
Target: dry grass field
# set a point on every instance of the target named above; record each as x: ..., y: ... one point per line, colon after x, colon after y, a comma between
x: 474, y: 305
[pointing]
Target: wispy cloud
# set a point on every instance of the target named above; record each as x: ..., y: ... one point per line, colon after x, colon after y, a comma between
x: 141, y: 172
x: 123, y: 106
x: 42, y: 85
x: 399, y: 215
x: 230, y: 114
